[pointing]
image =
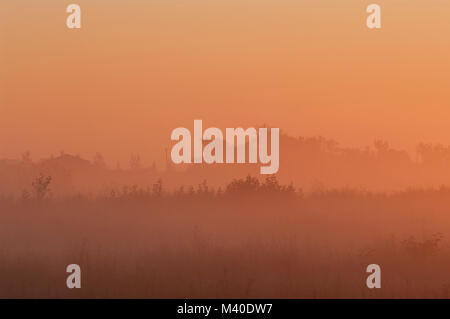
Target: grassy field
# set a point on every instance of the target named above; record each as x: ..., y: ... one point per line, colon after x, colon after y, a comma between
x: 250, y: 240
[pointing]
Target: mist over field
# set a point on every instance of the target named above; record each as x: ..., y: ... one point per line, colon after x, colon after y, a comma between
x: 136, y: 233
x: 86, y: 177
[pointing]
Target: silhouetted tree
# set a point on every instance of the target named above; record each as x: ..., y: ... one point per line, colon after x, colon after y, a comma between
x: 26, y: 158
x: 99, y: 161
x: 41, y: 186
x: 157, y: 188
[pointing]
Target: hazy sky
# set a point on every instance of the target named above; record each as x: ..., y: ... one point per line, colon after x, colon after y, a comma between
x: 138, y: 69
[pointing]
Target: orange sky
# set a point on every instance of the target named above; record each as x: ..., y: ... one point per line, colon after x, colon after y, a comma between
x: 138, y: 69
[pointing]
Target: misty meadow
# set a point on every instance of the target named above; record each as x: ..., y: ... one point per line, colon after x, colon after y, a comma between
x: 137, y: 234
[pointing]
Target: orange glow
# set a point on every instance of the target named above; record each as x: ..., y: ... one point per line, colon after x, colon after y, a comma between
x: 133, y: 73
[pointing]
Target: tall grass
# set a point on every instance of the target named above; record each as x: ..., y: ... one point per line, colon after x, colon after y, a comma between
x: 252, y: 239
